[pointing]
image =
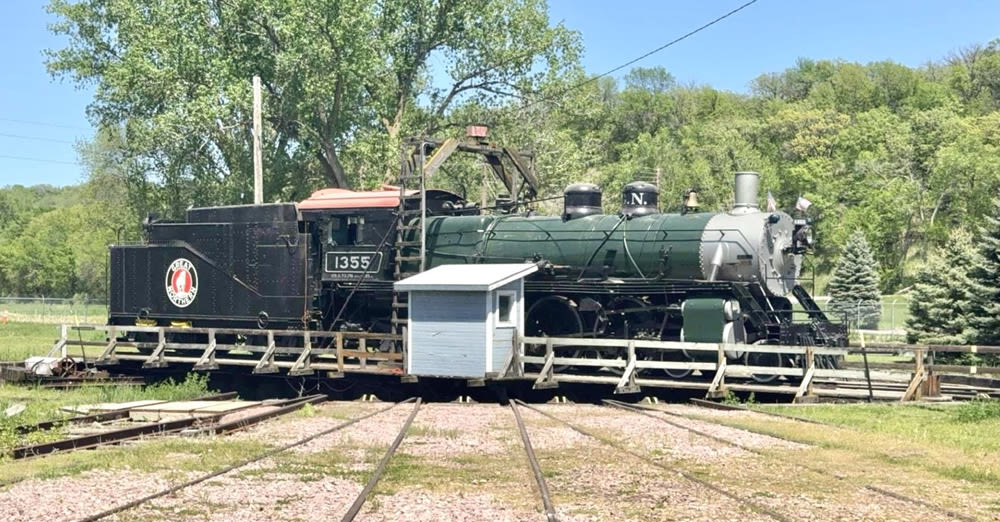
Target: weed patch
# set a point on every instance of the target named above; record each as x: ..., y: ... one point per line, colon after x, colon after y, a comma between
x: 43, y: 404
x: 978, y: 410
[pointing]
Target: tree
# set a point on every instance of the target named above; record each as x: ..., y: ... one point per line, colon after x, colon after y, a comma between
x: 940, y: 304
x: 854, y: 291
x: 42, y: 262
x: 985, y: 288
x: 174, y: 76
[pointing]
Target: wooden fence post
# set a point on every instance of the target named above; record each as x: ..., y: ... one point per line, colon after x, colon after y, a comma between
x: 919, y: 374
x: 718, y: 388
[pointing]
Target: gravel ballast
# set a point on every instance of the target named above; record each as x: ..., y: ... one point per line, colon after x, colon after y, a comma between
x: 467, y: 462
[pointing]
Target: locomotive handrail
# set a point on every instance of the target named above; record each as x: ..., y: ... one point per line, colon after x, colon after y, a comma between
x: 637, y: 365
x: 899, y: 347
x: 629, y: 382
x: 677, y: 345
x: 265, y: 361
x: 239, y: 331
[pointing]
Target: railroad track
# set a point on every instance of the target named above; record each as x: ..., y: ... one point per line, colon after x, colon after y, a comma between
x: 377, y: 474
x: 270, y: 453
x: 536, y: 470
x: 104, y: 416
x: 647, y: 411
x: 736, y: 407
x: 200, y: 425
x: 754, y: 506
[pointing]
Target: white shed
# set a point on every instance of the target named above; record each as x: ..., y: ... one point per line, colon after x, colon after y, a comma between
x: 463, y: 318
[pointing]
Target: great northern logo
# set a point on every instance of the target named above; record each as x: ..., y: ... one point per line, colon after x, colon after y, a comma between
x: 182, y: 283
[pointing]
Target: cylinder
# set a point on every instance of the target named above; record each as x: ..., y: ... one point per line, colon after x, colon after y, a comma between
x: 581, y: 199
x: 639, y: 199
x: 746, y: 187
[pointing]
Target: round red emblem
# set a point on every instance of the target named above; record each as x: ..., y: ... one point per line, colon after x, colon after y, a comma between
x: 182, y: 283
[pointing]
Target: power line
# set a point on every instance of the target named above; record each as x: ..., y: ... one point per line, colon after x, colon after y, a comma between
x: 45, y: 124
x: 644, y: 56
x: 676, y: 40
x: 39, y: 160
x: 35, y: 138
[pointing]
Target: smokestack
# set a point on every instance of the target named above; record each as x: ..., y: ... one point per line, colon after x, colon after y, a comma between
x: 746, y: 187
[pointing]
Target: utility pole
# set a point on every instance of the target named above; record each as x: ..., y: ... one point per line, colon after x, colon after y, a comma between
x: 258, y: 172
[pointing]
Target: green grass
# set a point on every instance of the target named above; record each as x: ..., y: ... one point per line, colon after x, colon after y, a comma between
x: 18, y: 340
x: 43, y: 404
x: 946, y: 455
x: 950, y: 427
x: 895, y: 312
x: 168, y: 456
x: 959, y: 441
x: 55, y: 311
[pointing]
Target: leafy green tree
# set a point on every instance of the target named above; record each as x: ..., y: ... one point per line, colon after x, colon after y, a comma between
x: 985, y: 288
x: 174, y: 76
x: 940, y: 305
x: 975, y: 75
x: 853, y: 289
x: 43, y: 263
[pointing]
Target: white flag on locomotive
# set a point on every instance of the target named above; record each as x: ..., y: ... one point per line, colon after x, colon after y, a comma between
x: 802, y: 204
x: 772, y: 205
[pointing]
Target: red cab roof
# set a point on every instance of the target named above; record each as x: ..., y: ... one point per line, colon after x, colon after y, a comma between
x: 338, y: 198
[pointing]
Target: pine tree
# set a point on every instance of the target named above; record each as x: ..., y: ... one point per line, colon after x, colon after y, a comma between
x: 940, y: 305
x: 985, y: 313
x: 854, y: 290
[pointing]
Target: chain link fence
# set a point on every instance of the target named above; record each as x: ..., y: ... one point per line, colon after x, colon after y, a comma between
x: 53, y: 310
x: 891, y: 312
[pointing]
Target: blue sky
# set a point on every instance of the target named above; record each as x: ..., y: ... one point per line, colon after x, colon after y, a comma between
x: 41, y: 118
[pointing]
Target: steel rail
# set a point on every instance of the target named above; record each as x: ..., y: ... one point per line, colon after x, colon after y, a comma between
x: 109, y: 437
x: 246, y: 422
x: 156, y: 428
x: 642, y: 410
x: 48, y: 425
x: 104, y: 416
x: 550, y: 510
x: 735, y: 407
x: 763, y: 510
x: 377, y: 474
x: 227, y: 469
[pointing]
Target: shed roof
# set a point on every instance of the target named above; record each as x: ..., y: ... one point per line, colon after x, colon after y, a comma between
x: 465, y: 278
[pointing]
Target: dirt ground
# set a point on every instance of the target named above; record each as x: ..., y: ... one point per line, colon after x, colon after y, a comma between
x: 466, y: 462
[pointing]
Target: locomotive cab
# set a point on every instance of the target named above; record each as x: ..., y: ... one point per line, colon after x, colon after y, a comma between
x: 353, y: 240
x: 353, y: 233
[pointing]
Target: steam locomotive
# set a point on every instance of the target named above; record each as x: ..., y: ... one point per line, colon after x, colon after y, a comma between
x: 329, y: 262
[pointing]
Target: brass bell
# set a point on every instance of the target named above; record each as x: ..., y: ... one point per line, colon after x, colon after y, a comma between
x: 691, y: 201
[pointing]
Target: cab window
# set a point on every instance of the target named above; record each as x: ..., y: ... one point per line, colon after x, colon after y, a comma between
x: 344, y: 230
x: 335, y: 232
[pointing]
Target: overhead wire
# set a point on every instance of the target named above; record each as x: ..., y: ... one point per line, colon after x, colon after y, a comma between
x: 34, y: 138
x: 671, y: 43
x: 44, y: 124
x: 39, y: 160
